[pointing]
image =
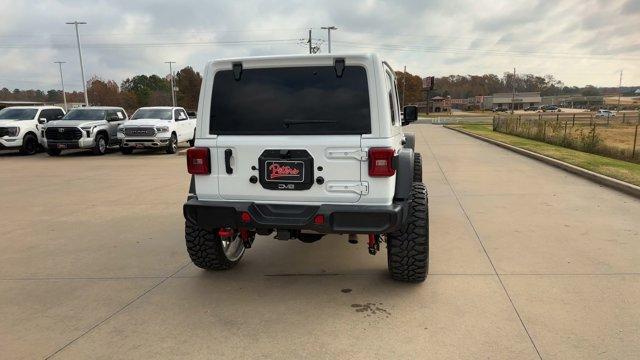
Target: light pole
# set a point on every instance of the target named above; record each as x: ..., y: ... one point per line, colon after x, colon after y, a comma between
x: 64, y: 96
x: 84, y: 84
x: 173, y: 94
x: 329, y: 28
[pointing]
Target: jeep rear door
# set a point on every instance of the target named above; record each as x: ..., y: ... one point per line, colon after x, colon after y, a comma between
x: 290, y: 134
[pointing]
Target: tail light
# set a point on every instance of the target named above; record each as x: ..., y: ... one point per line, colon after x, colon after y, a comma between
x: 198, y: 161
x: 381, y: 162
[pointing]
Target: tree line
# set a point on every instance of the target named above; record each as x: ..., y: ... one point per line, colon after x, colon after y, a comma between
x: 467, y: 86
x: 132, y: 93
x: 153, y: 90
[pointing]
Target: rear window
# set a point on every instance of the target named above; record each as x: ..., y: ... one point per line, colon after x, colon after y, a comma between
x: 291, y: 101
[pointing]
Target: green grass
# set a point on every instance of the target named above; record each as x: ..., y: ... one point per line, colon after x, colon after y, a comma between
x: 617, y: 169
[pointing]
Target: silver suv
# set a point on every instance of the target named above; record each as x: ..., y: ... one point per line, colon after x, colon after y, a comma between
x: 85, y: 128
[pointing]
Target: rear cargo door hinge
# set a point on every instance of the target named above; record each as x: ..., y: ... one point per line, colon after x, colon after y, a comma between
x: 358, y: 187
x: 347, y: 153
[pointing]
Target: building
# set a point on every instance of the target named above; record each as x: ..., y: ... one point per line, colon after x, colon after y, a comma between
x: 7, y: 103
x: 520, y: 101
x: 440, y: 104
x: 574, y: 101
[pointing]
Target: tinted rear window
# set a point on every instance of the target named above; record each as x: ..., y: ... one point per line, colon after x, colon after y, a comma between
x: 291, y: 101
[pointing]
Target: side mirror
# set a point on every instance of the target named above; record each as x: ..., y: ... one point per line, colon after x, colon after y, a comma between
x: 409, y: 114
x: 114, y: 118
x: 42, y: 121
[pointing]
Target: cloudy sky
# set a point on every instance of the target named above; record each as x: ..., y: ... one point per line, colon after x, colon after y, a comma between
x: 578, y: 41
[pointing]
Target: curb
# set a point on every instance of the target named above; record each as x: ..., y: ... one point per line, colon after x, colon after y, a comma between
x: 615, y: 184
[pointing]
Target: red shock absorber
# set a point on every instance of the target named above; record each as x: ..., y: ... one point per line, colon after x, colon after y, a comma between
x: 374, y: 244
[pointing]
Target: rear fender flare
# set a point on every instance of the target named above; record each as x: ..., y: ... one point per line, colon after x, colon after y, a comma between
x: 409, y: 141
x: 403, y: 163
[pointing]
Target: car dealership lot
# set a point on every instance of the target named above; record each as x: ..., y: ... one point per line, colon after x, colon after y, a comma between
x: 527, y: 261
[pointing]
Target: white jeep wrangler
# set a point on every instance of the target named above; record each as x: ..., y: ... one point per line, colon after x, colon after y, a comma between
x: 305, y: 146
x: 158, y: 127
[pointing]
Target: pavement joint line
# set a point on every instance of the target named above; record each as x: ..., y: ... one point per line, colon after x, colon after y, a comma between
x: 116, y: 312
x: 435, y: 158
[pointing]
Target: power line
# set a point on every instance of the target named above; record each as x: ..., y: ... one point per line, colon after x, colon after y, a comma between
x: 135, y: 45
x: 495, y: 52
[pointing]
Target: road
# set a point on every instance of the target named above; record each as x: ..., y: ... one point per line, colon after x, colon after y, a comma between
x: 527, y: 262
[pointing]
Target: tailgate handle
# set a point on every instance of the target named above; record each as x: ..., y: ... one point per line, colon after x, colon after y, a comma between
x: 227, y: 161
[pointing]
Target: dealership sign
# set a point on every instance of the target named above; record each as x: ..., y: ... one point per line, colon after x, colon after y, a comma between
x: 428, y: 82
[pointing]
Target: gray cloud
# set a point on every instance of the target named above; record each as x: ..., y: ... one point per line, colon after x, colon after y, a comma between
x: 124, y: 38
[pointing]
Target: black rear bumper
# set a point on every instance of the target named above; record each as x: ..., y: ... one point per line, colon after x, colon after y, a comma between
x: 358, y: 219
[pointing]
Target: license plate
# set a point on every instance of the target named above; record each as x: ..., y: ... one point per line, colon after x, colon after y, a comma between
x: 139, y: 146
x: 62, y: 146
x: 284, y: 171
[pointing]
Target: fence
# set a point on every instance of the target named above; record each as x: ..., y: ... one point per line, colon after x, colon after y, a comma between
x: 615, y: 137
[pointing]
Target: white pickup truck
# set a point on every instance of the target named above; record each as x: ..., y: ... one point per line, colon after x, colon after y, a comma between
x: 158, y: 127
x: 21, y: 126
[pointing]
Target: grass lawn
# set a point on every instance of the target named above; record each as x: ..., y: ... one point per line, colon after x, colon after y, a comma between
x: 617, y: 169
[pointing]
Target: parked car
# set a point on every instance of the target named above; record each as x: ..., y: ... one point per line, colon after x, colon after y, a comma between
x: 500, y: 109
x: 159, y: 127
x: 318, y: 149
x: 605, y: 113
x: 550, y: 108
x: 21, y: 126
x: 532, y: 108
x: 92, y: 128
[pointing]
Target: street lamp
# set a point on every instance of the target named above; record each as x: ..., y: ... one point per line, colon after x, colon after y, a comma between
x: 64, y: 95
x: 173, y: 94
x: 84, y: 84
x: 329, y: 28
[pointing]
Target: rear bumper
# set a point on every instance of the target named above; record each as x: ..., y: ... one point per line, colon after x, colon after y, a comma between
x: 358, y: 219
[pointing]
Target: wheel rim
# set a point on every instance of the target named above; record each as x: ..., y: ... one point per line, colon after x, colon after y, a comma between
x: 233, y: 247
x: 30, y: 146
x: 102, y: 145
x: 174, y: 143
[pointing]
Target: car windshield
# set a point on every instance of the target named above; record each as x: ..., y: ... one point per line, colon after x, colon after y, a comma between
x: 17, y: 114
x: 291, y: 101
x: 162, y: 114
x: 85, y: 114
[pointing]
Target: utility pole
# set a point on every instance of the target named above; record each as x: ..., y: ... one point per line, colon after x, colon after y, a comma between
x: 173, y: 93
x: 84, y: 84
x: 619, y: 90
x: 328, y: 28
x: 309, y: 41
x: 513, y: 94
x: 404, y: 84
x: 64, y: 96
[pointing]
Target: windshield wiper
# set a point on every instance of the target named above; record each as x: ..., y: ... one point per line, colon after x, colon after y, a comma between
x: 288, y: 122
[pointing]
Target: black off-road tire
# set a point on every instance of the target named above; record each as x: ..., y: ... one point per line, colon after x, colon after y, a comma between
x: 29, y: 145
x: 97, y: 150
x: 417, y: 167
x: 54, y: 152
x: 408, y: 248
x: 205, y: 248
x: 126, y: 150
x: 172, y: 146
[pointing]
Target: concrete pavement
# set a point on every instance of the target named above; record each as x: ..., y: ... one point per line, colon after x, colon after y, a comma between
x: 527, y: 262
